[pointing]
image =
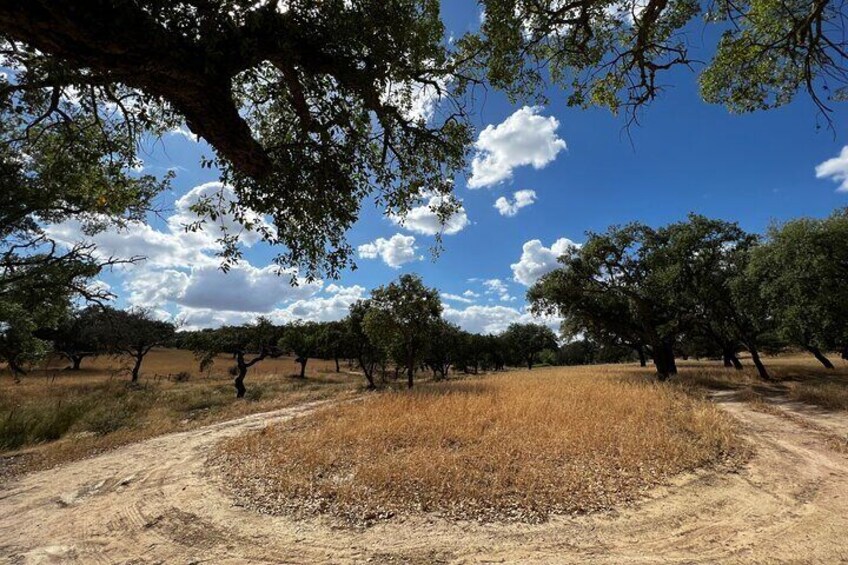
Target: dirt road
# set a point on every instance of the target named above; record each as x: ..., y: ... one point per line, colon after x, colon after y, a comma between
x: 156, y: 502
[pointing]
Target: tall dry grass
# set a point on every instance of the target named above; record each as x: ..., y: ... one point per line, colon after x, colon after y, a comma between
x: 54, y: 415
x: 516, y: 446
x: 798, y: 377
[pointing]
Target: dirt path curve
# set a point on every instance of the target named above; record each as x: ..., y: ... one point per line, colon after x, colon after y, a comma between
x: 156, y: 502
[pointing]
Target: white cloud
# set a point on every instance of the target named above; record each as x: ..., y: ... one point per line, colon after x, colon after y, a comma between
x: 183, y: 131
x: 334, y: 306
x: 470, y: 294
x: 835, y: 168
x: 158, y: 248
x: 494, y: 319
x: 524, y: 138
x: 395, y: 251
x: 221, y: 195
x: 322, y: 309
x: 417, y: 100
x: 244, y: 288
x: 498, y: 288
x: 423, y: 219
x: 537, y: 260
x: 456, y: 298
x: 520, y: 199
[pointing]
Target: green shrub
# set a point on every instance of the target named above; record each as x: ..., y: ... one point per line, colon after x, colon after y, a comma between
x: 13, y: 429
x: 53, y: 421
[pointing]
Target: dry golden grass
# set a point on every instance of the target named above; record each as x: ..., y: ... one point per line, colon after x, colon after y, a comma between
x: 516, y: 446
x: 53, y: 415
x: 798, y: 377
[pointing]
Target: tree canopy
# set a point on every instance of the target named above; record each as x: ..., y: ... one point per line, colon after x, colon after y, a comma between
x: 310, y: 108
x: 399, y: 320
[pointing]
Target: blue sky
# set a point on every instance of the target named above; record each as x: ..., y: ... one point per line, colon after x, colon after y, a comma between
x: 686, y: 156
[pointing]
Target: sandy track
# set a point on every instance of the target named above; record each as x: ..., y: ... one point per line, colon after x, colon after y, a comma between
x: 156, y: 502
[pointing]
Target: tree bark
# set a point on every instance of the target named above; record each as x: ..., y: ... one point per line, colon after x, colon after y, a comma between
x: 17, y: 370
x: 737, y: 364
x: 368, y: 374
x: 139, y: 357
x: 530, y: 363
x: 641, y: 352
x: 302, y: 361
x: 663, y: 355
x: 239, y: 381
x: 731, y: 360
x: 761, y: 369
x: 820, y: 356
x: 75, y: 362
x: 338, y: 370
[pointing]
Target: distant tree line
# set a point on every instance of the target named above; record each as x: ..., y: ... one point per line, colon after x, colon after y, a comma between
x: 704, y: 288
x: 398, y: 331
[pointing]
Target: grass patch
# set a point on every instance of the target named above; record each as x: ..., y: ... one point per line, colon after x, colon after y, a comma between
x: 53, y: 416
x: 518, y: 446
x: 830, y: 395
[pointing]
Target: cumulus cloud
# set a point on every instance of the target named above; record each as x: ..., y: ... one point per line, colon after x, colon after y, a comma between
x: 524, y: 138
x: 520, y: 199
x: 494, y: 319
x: 395, y: 251
x: 180, y: 271
x: 158, y: 248
x: 222, y: 196
x: 835, y: 168
x: 423, y: 219
x: 183, y: 131
x: 498, y: 288
x: 537, y: 260
x: 244, y: 288
x: 334, y: 304
x: 173, y: 246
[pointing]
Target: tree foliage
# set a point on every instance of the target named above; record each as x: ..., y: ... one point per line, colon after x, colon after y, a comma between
x: 399, y: 320
x: 309, y: 109
x: 248, y: 344
x: 526, y: 341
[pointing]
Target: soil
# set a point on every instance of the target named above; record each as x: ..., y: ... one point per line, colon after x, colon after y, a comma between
x: 159, y: 501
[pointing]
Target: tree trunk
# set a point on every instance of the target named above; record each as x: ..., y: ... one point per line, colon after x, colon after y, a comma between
x: 17, y: 370
x: 368, y: 374
x: 302, y: 361
x: 731, y: 360
x: 410, y: 372
x: 672, y: 364
x: 820, y: 356
x: 239, y: 381
x: 137, y: 367
x: 641, y: 352
x: 663, y: 355
x: 845, y: 353
x: 737, y: 364
x: 530, y: 363
x: 761, y: 369
x: 338, y: 370
x: 75, y: 362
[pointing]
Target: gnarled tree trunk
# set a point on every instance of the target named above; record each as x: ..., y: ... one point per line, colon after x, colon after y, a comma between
x: 820, y: 356
x: 758, y: 363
